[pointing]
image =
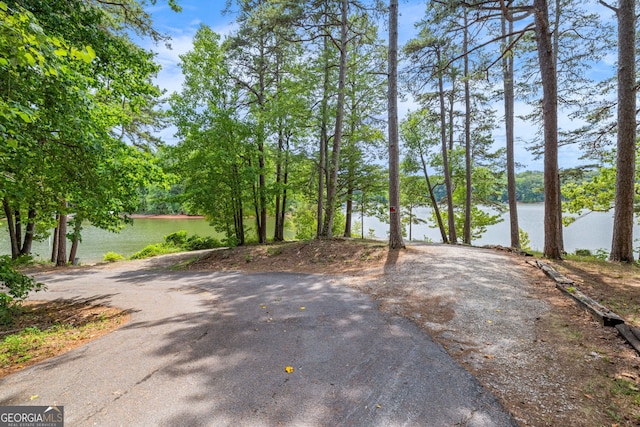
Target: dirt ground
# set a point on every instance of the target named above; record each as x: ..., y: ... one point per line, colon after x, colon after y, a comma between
x: 577, y: 372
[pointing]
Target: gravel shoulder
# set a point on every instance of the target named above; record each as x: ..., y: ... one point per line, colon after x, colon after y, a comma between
x: 549, y: 363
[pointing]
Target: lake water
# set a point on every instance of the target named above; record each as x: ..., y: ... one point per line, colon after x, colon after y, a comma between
x: 593, y: 232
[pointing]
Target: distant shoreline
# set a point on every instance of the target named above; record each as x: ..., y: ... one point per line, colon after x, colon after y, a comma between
x: 177, y: 216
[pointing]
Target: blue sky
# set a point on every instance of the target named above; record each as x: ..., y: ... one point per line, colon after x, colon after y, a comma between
x: 183, y: 26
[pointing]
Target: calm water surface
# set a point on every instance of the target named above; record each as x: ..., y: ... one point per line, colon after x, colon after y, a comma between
x: 593, y: 231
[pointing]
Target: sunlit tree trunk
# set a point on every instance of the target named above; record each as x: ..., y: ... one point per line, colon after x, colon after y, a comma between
x: 395, y: 228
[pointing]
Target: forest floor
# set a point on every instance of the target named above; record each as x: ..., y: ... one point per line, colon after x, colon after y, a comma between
x: 596, y: 374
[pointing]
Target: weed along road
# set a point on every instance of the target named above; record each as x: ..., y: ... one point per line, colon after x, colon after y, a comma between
x: 237, y: 349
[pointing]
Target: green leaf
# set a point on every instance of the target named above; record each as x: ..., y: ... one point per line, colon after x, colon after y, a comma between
x: 30, y: 59
x: 24, y: 116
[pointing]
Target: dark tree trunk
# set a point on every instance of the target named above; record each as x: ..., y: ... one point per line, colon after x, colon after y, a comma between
x: 75, y: 241
x: 552, y: 224
x: 285, y: 181
x: 262, y: 226
x: 18, y: 225
x: 54, y: 237
x: 509, y: 115
x: 61, y: 258
x: 74, y: 249
x: 349, y: 212
x: 622, y: 241
x: 278, y: 232
x: 434, y: 202
x: 445, y: 161
x: 324, y: 137
x: 466, y: 233
x: 28, y: 234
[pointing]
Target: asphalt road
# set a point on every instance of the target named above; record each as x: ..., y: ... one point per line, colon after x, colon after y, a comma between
x: 210, y: 349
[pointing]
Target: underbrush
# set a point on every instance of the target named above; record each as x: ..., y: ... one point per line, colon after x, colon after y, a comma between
x: 179, y: 241
x: 14, y: 288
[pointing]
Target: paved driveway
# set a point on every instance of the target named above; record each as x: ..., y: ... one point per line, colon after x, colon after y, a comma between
x: 210, y: 349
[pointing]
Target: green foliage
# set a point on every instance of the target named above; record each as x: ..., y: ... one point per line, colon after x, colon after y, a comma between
x: 196, y: 243
x: 14, y: 288
x: 76, y: 101
x: 525, y: 242
x: 595, y: 194
x: 529, y: 187
x: 113, y: 257
x: 154, y: 250
x: 583, y: 252
x: 480, y: 220
x: 178, y: 242
x: 179, y: 238
x: 215, y: 155
x: 305, y: 222
x: 601, y: 254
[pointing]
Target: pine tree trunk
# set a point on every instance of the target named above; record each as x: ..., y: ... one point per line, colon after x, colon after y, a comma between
x: 622, y: 241
x: 278, y: 232
x: 434, y: 202
x: 332, y: 186
x: 509, y: 114
x: 552, y: 225
x: 445, y: 162
x: 285, y: 181
x: 466, y: 234
x: 349, y: 211
x: 395, y: 227
x: 322, y: 150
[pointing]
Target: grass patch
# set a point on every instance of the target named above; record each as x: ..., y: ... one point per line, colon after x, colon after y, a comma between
x: 46, y: 329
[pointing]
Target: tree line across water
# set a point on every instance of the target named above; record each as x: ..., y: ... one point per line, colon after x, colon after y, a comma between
x: 293, y: 114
